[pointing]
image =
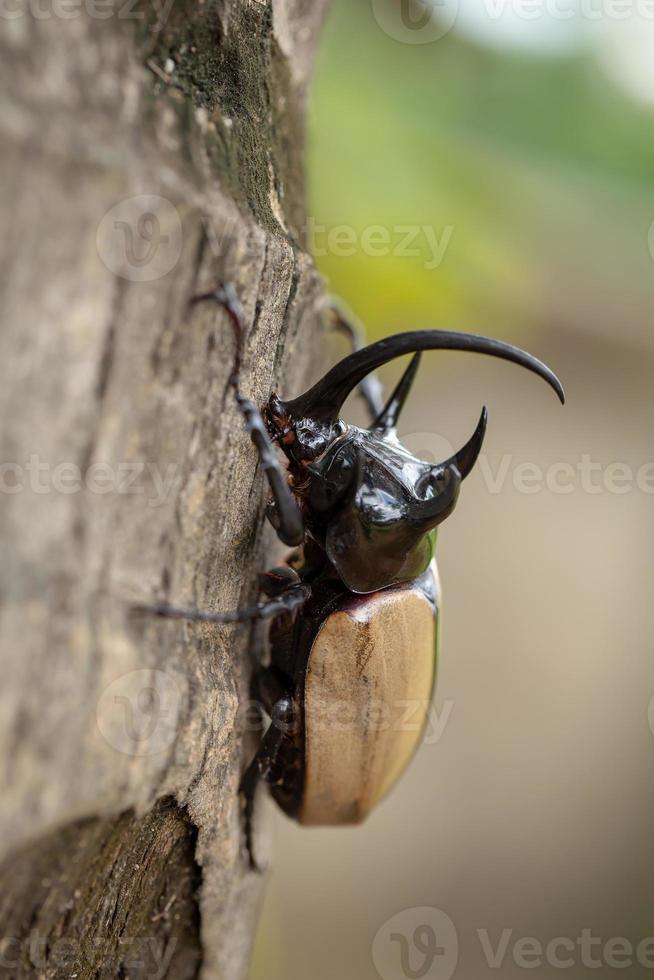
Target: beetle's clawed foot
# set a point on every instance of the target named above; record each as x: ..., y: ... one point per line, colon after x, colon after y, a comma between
x: 225, y: 296
x: 247, y: 793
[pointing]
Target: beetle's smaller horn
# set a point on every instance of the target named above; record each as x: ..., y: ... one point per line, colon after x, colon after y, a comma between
x: 444, y: 481
x: 466, y: 457
x: 386, y: 421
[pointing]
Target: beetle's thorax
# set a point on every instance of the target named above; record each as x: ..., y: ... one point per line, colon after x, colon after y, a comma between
x: 370, y: 504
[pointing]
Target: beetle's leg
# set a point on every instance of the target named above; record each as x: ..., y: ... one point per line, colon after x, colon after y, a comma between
x: 289, y: 524
x: 263, y: 760
x: 268, y: 687
x: 262, y: 766
x: 288, y: 601
x: 370, y: 389
x: 282, y: 585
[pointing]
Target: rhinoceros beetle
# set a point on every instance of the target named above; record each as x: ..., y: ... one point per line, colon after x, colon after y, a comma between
x: 354, y: 609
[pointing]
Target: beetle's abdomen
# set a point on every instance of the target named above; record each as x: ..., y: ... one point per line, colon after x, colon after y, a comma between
x: 368, y: 690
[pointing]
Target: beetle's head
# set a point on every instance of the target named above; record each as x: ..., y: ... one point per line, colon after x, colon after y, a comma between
x: 370, y: 503
x: 302, y: 437
x: 374, y: 506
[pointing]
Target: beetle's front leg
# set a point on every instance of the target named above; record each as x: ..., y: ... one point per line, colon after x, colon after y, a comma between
x: 288, y: 519
x: 288, y: 524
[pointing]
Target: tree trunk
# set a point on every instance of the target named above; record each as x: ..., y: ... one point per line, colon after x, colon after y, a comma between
x: 150, y: 150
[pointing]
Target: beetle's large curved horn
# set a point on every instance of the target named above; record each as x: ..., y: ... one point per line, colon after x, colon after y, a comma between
x: 324, y: 400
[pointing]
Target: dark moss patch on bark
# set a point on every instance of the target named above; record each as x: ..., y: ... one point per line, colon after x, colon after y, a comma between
x: 101, y: 899
x: 237, y: 73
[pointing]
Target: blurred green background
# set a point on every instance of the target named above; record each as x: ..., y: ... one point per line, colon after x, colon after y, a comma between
x: 518, y: 152
x: 533, y: 171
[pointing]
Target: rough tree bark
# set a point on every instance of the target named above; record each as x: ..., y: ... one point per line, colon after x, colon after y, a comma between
x: 149, y: 150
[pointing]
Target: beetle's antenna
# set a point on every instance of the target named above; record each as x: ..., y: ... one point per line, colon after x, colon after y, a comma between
x: 387, y: 419
x: 324, y: 400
